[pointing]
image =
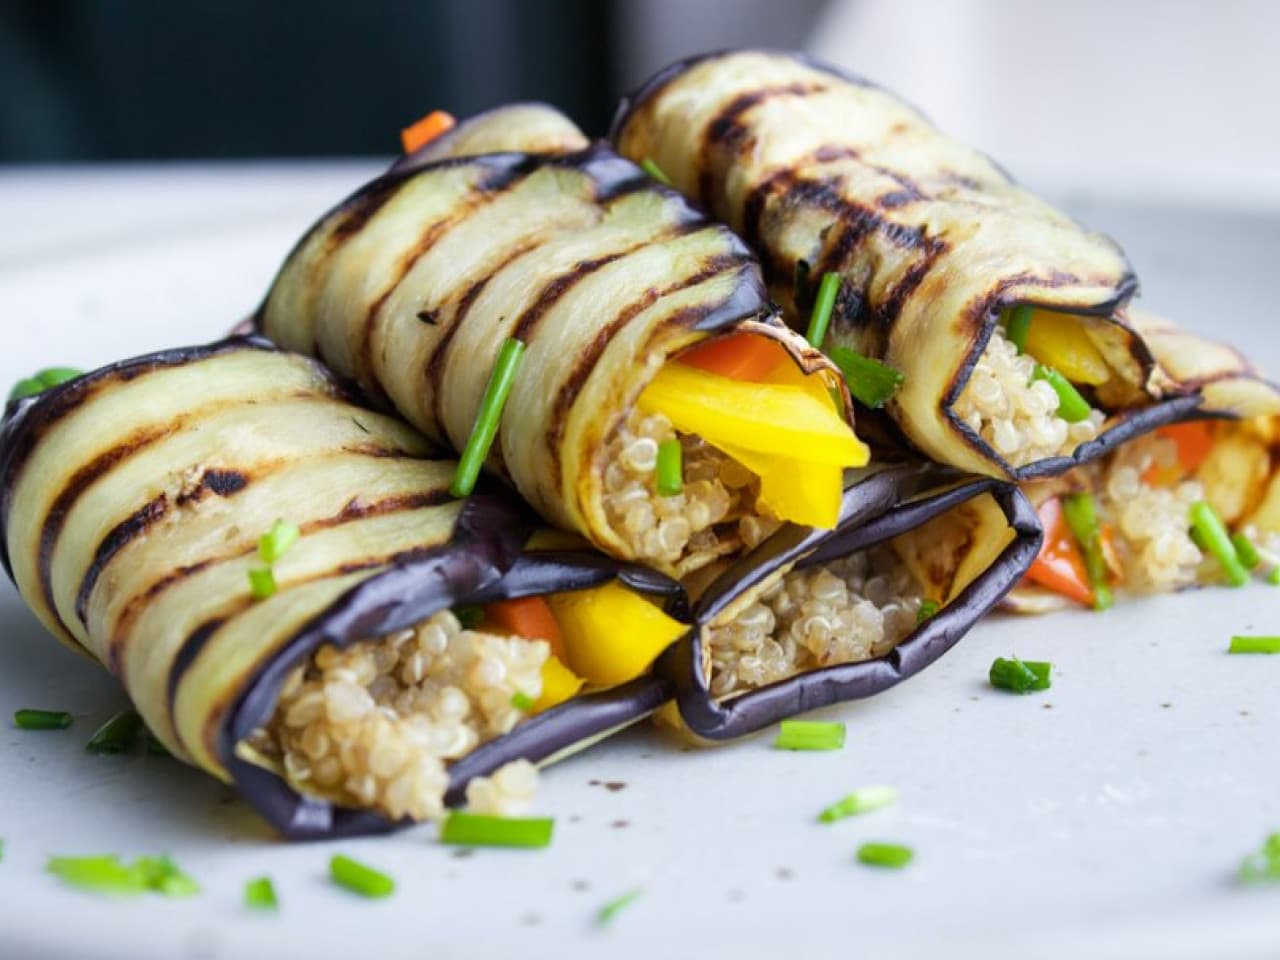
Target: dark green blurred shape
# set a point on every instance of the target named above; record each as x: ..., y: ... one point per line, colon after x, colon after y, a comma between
x: 169, y: 79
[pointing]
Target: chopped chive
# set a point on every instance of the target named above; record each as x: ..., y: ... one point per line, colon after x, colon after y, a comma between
x: 1213, y: 538
x: 823, y: 305
x: 1018, y: 326
x: 860, y: 801
x: 928, y: 610
x: 486, y: 425
x: 117, y: 735
x: 262, y: 582
x: 801, y: 282
x: 41, y: 381
x: 26, y: 387
x: 1246, y: 551
x: 98, y: 874
x: 41, y: 719
x: 1273, y: 577
x: 273, y: 544
x: 1082, y: 519
x: 260, y: 894
x: 469, y: 615
x: 892, y: 856
x: 652, y: 169
x: 615, y: 907
x: 809, y: 735
x: 871, y: 382
x: 482, y: 830
x: 162, y: 875
x: 522, y: 701
x: 1020, y: 676
x: 1071, y: 406
x: 1241, y: 644
x: 359, y: 878
x: 670, y: 468
x: 1264, y: 865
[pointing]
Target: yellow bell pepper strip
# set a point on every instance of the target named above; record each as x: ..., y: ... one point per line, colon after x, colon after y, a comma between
x: 611, y: 635
x: 796, y: 490
x: 1061, y: 342
x: 559, y: 684
x: 766, y: 418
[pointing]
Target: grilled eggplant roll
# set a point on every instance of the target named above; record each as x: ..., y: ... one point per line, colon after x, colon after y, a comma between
x: 1005, y: 317
x: 660, y: 410
x: 406, y: 647
x: 815, y: 618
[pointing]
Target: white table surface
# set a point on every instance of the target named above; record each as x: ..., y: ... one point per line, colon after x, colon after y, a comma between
x: 1104, y: 818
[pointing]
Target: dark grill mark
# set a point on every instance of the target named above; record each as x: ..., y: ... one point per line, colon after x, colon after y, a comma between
x: 429, y: 317
x: 222, y: 483
x: 116, y: 540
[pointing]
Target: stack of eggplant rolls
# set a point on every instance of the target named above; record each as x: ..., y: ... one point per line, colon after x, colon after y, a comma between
x: 755, y: 407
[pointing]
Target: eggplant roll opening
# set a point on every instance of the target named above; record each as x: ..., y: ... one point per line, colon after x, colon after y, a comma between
x: 806, y: 622
x: 646, y: 329
x: 1006, y: 318
x: 327, y: 673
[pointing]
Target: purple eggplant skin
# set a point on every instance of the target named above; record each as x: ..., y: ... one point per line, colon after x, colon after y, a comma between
x: 920, y: 492
x: 409, y: 593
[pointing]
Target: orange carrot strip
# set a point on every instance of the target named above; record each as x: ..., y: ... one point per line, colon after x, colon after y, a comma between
x: 1060, y: 565
x: 528, y: 617
x: 742, y: 356
x: 419, y: 134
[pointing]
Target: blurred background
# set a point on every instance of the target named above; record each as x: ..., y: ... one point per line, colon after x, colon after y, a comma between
x: 1171, y: 97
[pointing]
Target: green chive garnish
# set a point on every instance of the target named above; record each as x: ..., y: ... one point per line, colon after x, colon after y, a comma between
x: 1213, y: 538
x: 1263, y: 866
x: 1240, y: 644
x: 108, y: 874
x: 928, y: 610
x: 1020, y: 676
x: 1018, y: 326
x: 615, y: 907
x: 117, y: 735
x: 262, y: 582
x: 823, y: 305
x: 42, y: 381
x: 871, y: 382
x: 655, y: 171
x: 486, y: 425
x: 469, y: 615
x: 162, y: 875
x: 1071, y: 406
x: 41, y: 719
x: 1246, y: 551
x: 273, y: 544
x: 481, y: 830
x: 860, y: 801
x: 260, y: 894
x: 1078, y: 510
x: 27, y: 387
x: 892, y: 856
x: 670, y: 468
x: 360, y: 879
x: 1273, y: 577
x: 809, y: 735
x: 522, y: 701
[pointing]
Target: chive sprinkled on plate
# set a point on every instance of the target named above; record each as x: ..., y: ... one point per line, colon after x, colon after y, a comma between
x: 28, y: 719
x: 1079, y: 511
x: 652, y: 169
x: 823, y: 306
x: 1243, y: 644
x: 117, y: 735
x: 1072, y: 407
x: 670, y: 468
x: 928, y: 610
x: 809, y: 735
x: 1211, y: 533
x: 892, y: 856
x: 359, y: 878
x: 1019, y: 326
x: 273, y: 544
x: 871, y: 382
x: 616, y: 906
x: 522, y: 701
x: 260, y: 894
x: 486, y: 426
x: 1263, y: 866
x: 108, y: 874
x: 1020, y: 676
x: 262, y: 582
x: 860, y: 801
x: 482, y: 830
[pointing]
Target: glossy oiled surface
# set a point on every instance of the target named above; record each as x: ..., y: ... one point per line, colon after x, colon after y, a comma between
x: 1091, y: 820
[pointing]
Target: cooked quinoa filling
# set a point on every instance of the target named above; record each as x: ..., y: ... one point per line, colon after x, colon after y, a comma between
x: 715, y: 514
x: 375, y: 725
x: 853, y: 609
x: 1015, y: 414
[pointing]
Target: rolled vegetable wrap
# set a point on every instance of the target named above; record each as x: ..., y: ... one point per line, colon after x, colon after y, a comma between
x: 1004, y: 318
x: 658, y: 407
x: 814, y: 618
x: 297, y: 605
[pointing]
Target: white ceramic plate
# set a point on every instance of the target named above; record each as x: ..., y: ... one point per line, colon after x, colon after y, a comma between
x: 1105, y: 817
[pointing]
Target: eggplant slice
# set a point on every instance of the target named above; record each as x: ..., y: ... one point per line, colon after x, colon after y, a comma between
x: 937, y: 248
x: 131, y: 504
x: 959, y: 542
x: 411, y: 286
